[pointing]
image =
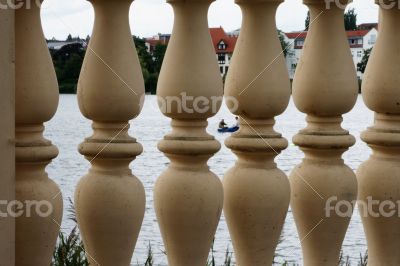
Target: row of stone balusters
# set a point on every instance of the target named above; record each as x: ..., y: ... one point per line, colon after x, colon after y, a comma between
x: 189, y: 198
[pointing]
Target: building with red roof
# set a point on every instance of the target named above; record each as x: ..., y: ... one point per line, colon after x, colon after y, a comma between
x: 359, y: 40
x: 152, y: 42
x: 367, y: 26
x: 224, y: 46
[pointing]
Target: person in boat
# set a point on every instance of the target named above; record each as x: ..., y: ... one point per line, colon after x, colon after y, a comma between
x: 237, y: 122
x: 222, y: 124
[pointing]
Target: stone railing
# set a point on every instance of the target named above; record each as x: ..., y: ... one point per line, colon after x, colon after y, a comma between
x: 188, y: 197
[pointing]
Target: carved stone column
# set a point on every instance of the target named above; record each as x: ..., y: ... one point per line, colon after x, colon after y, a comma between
x: 36, y: 96
x: 379, y: 176
x: 256, y: 192
x: 187, y: 196
x: 324, y: 87
x: 109, y: 200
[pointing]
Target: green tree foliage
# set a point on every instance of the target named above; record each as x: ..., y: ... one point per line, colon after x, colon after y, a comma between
x: 146, y: 60
x: 159, y: 53
x: 350, y: 20
x: 284, y: 44
x: 364, y: 61
x: 68, y: 62
x: 307, y: 22
x: 151, y: 64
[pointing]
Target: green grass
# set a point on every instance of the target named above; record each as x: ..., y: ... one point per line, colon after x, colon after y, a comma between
x: 71, y: 252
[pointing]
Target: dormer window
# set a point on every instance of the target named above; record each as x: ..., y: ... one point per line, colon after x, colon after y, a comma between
x: 221, y: 45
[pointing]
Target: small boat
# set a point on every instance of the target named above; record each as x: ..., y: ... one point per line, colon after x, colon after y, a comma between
x: 228, y: 129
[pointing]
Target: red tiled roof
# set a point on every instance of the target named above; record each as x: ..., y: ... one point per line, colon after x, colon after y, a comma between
x: 154, y: 42
x: 218, y: 35
x: 296, y: 35
x: 368, y: 26
x: 303, y: 34
x: 357, y: 33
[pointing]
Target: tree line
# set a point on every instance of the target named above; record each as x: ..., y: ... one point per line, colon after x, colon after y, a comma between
x: 68, y: 62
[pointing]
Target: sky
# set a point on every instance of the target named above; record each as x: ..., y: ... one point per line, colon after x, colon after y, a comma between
x: 149, y: 17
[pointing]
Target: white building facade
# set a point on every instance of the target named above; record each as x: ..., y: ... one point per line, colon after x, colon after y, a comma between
x: 359, y: 41
x: 224, y: 45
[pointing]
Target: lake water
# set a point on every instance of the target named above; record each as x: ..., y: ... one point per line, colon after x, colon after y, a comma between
x: 68, y: 128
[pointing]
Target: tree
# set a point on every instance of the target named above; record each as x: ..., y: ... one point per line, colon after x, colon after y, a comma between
x: 151, y: 64
x: 364, y: 61
x: 149, y: 70
x: 67, y: 63
x: 146, y: 60
x: 350, y: 20
x: 307, y: 22
x: 284, y: 44
x: 69, y: 38
x: 158, y: 55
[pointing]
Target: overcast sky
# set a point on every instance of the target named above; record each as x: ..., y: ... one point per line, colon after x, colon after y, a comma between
x: 149, y: 17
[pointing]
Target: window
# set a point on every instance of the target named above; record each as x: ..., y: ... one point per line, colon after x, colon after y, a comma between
x: 221, y: 45
x: 299, y: 42
x: 359, y: 41
x: 221, y: 58
x: 359, y: 53
x: 226, y: 69
x: 372, y: 39
x: 221, y: 69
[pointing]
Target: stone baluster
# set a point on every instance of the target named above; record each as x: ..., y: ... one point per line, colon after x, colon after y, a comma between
x: 39, y: 202
x: 188, y: 197
x: 109, y: 200
x: 324, y: 87
x: 379, y: 176
x: 256, y: 192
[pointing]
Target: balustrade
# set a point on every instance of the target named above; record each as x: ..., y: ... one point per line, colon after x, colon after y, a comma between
x: 188, y: 196
x: 324, y: 87
x: 256, y: 192
x: 379, y: 176
x: 36, y: 101
x: 110, y: 201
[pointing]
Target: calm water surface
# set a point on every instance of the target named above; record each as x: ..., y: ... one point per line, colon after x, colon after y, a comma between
x: 68, y: 128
